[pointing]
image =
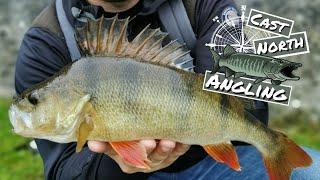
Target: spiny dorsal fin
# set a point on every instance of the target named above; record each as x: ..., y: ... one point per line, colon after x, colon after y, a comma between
x: 228, y: 51
x: 107, y: 37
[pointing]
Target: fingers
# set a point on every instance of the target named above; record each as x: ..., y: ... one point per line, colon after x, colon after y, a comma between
x: 97, y: 146
x: 178, y: 151
x: 105, y: 147
x: 101, y: 147
x: 161, y: 155
x: 162, y: 151
x: 150, y: 145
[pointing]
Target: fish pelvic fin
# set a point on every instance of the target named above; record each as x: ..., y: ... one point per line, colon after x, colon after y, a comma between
x: 216, y: 59
x: 132, y: 152
x: 108, y: 37
x: 283, y: 159
x: 224, y: 153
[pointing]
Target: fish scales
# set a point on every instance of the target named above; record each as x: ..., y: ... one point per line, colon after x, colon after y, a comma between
x: 126, y: 91
x: 169, y: 101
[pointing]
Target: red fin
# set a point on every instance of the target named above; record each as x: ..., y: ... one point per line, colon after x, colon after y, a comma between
x: 288, y: 157
x: 132, y: 152
x: 224, y: 153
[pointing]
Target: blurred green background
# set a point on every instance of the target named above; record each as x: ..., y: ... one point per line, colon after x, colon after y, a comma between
x: 300, y: 120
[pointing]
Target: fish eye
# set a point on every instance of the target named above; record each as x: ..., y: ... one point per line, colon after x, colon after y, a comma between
x: 33, y: 98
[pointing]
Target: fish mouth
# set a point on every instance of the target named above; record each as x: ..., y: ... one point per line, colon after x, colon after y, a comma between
x: 20, y: 121
x: 24, y: 124
x: 287, y: 71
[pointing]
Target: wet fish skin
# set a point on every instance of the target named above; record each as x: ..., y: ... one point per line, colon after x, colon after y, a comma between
x: 168, y: 99
x: 157, y: 102
x: 129, y: 91
x: 144, y: 104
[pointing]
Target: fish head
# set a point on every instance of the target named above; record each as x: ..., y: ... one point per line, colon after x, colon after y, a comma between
x: 46, y: 114
x: 283, y: 70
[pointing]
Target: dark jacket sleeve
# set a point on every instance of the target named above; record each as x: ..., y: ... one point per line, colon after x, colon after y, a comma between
x: 41, y: 55
x: 205, y: 12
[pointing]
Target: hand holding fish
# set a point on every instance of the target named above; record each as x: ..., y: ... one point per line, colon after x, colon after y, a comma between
x: 161, y: 154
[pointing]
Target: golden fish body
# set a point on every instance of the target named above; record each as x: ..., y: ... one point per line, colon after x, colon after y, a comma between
x: 135, y: 100
x: 128, y: 91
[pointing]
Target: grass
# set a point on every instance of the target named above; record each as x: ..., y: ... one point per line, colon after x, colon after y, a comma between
x: 299, y: 128
x: 17, y: 162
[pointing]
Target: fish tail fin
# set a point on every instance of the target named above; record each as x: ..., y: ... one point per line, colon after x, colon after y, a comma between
x: 281, y: 160
x: 216, y: 59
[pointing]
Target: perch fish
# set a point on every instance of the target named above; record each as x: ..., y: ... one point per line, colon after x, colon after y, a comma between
x: 122, y: 92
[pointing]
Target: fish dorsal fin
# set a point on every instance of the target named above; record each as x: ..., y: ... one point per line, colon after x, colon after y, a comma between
x: 228, y: 51
x: 108, y: 37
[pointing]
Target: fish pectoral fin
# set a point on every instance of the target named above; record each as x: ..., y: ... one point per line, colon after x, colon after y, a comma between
x: 86, y: 117
x: 239, y: 74
x: 132, y: 152
x: 224, y: 153
x: 84, y: 131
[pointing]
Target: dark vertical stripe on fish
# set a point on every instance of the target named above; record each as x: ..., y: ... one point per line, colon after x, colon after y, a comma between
x: 225, y: 104
x: 187, y: 99
x: 260, y: 66
x: 252, y: 65
x: 129, y: 95
x: 256, y: 63
x: 243, y: 63
x: 246, y: 64
x: 89, y: 82
x: 238, y: 63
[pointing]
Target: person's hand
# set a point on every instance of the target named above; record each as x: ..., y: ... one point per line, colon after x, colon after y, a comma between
x: 161, y: 154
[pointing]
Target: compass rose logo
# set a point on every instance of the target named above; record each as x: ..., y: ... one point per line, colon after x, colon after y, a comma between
x: 233, y: 31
